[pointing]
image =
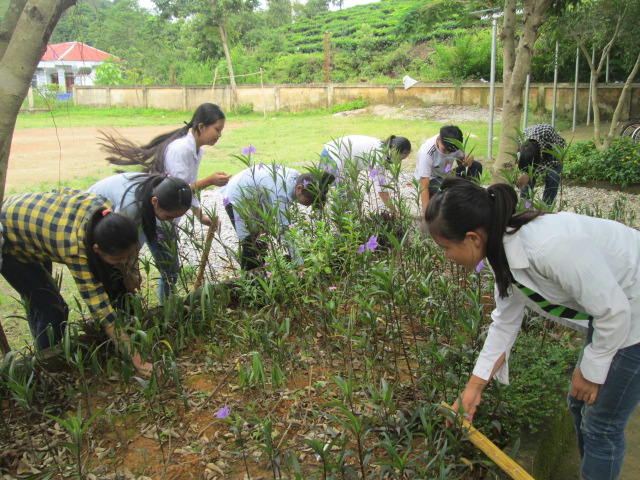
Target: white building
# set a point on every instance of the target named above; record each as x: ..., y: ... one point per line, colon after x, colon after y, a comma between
x: 68, y: 64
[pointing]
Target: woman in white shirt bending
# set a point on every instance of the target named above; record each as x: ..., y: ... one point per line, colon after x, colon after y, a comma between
x: 257, y: 201
x: 151, y: 200
x: 177, y: 154
x: 347, y: 156
x: 561, y: 265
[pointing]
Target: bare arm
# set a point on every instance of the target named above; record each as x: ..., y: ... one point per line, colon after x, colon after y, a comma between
x: 424, y: 193
x: 218, y: 179
x: 472, y: 393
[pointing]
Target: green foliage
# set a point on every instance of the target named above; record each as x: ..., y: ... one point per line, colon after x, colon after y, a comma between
x: 109, y: 73
x: 620, y: 164
x: 468, y: 56
x: 539, y: 368
x: 346, y: 106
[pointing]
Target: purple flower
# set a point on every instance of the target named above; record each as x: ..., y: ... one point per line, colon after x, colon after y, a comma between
x: 447, y: 169
x: 248, y: 150
x: 361, y: 248
x: 374, y: 174
x: 268, y: 274
x: 527, y: 204
x: 223, y: 412
x: 480, y: 266
x: 381, y: 181
x: 372, y: 244
x: 225, y: 202
x: 276, y: 167
x: 305, y: 183
x: 333, y: 288
x: 260, y: 166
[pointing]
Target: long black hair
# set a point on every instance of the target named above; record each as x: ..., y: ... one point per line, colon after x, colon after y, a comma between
x: 113, y: 233
x: 172, y: 194
x: 152, y: 155
x: 315, y: 185
x: 400, y: 144
x: 463, y: 206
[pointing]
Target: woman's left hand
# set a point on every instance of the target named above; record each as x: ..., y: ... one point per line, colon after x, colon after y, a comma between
x: 132, y: 282
x: 583, y: 389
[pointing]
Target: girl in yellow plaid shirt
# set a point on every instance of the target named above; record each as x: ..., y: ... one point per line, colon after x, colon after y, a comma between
x: 79, y: 230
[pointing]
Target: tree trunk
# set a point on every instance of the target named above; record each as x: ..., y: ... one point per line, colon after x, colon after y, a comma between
x: 23, y: 40
x: 618, y: 110
x: 512, y: 105
x: 595, y: 73
x: 508, y: 38
x: 227, y: 54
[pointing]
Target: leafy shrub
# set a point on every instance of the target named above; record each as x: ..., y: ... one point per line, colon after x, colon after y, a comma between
x: 346, y: 106
x: 243, y: 109
x: 620, y: 164
x: 467, y: 57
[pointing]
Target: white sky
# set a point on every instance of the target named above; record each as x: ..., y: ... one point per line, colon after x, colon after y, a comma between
x: 347, y: 3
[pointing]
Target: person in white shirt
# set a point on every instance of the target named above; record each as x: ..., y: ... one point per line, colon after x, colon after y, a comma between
x: 258, y: 198
x: 177, y: 154
x: 589, y: 265
x: 435, y: 159
x: 347, y: 156
x: 149, y: 199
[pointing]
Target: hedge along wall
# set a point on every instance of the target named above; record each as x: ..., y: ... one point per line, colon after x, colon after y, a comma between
x: 298, y: 98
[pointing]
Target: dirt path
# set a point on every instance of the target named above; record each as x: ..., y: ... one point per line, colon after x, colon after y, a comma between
x: 46, y: 157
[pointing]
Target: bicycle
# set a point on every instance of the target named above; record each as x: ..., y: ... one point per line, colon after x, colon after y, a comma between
x: 631, y: 129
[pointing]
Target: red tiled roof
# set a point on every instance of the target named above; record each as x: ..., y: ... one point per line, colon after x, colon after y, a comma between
x: 75, y: 51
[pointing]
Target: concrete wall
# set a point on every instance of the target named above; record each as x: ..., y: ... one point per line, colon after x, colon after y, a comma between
x: 298, y: 98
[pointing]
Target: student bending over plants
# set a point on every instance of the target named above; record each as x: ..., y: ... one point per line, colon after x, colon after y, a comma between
x: 79, y: 230
x: 574, y: 266
x: 177, y: 154
x: 435, y: 160
x: 258, y: 198
x: 147, y: 199
x: 351, y: 154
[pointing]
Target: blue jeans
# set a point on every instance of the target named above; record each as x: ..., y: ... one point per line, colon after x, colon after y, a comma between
x: 552, y: 176
x: 600, y: 427
x: 43, y: 302
x: 165, y: 254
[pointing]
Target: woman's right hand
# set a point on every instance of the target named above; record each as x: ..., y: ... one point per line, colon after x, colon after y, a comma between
x: 470, y: 398
x: 218, y: 179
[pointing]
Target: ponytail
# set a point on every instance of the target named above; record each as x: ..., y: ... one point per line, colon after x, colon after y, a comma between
x: 400, y: 144
x: 463, y: 206
x: 172, y: 194
x: 151, y: 157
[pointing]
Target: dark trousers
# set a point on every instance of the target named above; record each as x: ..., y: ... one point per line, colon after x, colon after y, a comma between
x: 252, y: 250
x: 552, y: 177
x: 43, y: 303
x: 474, y: 172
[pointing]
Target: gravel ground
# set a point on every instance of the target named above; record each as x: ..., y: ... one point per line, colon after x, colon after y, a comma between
x: 571, y: 198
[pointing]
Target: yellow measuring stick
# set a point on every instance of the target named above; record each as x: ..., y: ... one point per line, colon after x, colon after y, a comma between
x: 504, y: 461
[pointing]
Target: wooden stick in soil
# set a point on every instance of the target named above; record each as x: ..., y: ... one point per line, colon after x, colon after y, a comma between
x: 4, y: 344
x: 204, y: 259
x: 507, y: 464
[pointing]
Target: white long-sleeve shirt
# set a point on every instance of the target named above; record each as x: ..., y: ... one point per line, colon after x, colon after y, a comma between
x: 360, y: 152
x: 182, y: 160
x: 114, y: 188
x: 588, y: 264
x: 265, y: 188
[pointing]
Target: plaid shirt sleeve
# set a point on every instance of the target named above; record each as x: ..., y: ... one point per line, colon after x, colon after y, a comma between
x: 51, y: 226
